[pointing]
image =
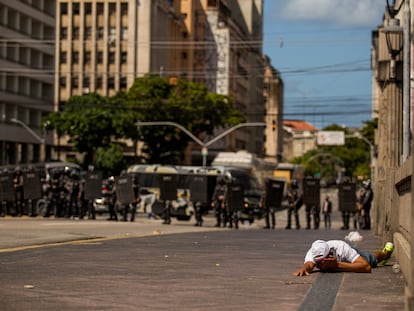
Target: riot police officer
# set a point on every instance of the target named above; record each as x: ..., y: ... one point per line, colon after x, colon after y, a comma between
x: 218, y: 201
x: 136, y: 190
x: 366, y: 202
x: 110, y: 196
x: 269, y: 213
x: 18, y: 190
x: 295, y: 202
x: 73, y: 186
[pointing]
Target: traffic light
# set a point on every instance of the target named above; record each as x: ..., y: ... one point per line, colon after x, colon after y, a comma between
x: 273, y: 125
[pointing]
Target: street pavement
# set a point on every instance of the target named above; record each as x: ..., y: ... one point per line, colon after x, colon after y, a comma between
x: 63, y: 264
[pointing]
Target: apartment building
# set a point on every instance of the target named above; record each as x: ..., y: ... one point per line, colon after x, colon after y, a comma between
x: 224, y: 52
x: 27, y: 32
x: 102, y: 46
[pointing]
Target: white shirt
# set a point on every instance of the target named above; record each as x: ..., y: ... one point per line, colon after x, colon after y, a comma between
x: 341, y: 250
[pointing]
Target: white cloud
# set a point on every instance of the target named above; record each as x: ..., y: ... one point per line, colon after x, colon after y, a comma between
x: 341, y: 12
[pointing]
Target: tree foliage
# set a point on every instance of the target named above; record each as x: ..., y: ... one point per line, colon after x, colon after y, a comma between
x: 351, y: 159
x: 189, y: 104
x: 93, y: 121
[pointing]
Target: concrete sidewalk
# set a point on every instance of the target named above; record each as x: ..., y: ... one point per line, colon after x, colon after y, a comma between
x: 382, y: 289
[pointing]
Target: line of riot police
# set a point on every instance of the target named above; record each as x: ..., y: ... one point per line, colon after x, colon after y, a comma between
x: 62, y: 191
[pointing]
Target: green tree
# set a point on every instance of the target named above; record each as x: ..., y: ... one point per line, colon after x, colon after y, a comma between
x: 353, y: 156
x: 93, y: 121
x: 189, y: 104
x: 87, y: 121
x: 110, y: 160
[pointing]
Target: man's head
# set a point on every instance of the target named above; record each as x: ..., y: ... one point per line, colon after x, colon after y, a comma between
x: 320, y: 250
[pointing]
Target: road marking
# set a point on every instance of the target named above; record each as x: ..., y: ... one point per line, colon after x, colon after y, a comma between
x: 96, y: 240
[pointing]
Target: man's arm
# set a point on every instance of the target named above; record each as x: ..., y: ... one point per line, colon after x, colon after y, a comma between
x: 306, y: 269
x: 360, y: 265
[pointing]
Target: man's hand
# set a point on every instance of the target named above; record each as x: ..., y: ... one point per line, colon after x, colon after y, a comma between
x: 306, y: 269
x: 328, y: 264
x: 300, y: 272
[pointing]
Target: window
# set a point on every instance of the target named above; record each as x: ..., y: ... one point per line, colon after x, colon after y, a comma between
x: 63, y: 33
x: 124, y: 33
x: 123, y: 83
x: 100, y: 33
x: 86, y: 82
x: 75, y: 33
x: 111, y: 82
x: 111, y: 57
x: 99, y: 57
x: 124, y: 9
x: 63, y: 8
x: 124, y: 57
x: 88, y: 32
x: 112, y: 8
x: 75, y: 82
x: 63, y: 57
x: 87, y: 57
x: 88, y: 8
x: 99, y: 8
x: 112, y: 32
x: 99, y: 82
x: 62, y: 82
x: 75, y: 7
x: 75, y: 57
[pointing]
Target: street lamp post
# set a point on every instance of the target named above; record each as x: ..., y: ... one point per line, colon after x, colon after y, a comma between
x: 393, y: 26
x: 41, y: 140
x: 204, y: 145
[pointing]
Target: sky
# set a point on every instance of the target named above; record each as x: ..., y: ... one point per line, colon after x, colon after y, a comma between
x: 322, y: 50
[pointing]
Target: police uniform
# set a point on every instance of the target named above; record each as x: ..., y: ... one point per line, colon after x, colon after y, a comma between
x: 294, y: 204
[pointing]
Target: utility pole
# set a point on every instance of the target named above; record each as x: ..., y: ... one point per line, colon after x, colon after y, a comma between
x: 204, y: 145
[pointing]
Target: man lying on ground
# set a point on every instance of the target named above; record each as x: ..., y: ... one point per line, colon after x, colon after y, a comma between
x: 339, y: 256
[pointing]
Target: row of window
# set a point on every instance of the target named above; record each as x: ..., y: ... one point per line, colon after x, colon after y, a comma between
x: 86, y: 82
x: 87, y: 57
x: 88, y: 8
x: 100, y: 31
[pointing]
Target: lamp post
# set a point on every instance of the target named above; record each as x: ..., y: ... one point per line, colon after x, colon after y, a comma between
x: 204, y: 145
x: 393, y: 26
x: 41, y: 140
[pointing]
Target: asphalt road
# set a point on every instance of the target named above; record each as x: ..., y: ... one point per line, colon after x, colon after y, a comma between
x: 59, y: 264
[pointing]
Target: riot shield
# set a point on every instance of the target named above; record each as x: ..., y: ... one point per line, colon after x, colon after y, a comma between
x: 347, y: 197
x: 93, y: 185
x: 32, y: 186
x: 168, y: 187
x: 274, y: 193
x: 124, y: 191
x: 199, y: 188
x: 235, y: 197
x: 6, y: 187
x: 311, y: 192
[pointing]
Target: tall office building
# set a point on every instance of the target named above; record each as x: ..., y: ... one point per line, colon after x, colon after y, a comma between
x: 27, y: 32
x: 225, y: 53
x: 102, y: 46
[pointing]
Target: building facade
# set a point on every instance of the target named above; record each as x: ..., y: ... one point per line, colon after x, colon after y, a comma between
x: 299, y: 137
x: 392, y: 215
x: 102, y: 46
x: 27, y: 33
x: 273, y: 95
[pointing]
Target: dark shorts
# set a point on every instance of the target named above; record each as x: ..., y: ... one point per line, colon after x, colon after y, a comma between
x: 369, y: 257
